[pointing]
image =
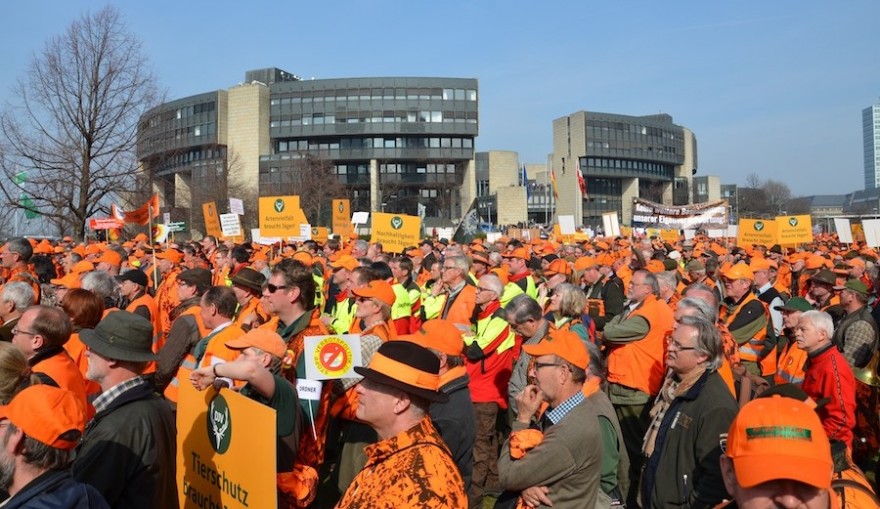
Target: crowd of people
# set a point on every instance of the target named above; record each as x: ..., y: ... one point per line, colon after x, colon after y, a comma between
x: 616, y: 372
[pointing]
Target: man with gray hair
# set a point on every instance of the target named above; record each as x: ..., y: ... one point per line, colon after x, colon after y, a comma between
x: 693, y: 408
x: 15, y: 298
x: 526, y: 318
x: 634, y: 341
x: 827, y: 375
x: 104, y: 286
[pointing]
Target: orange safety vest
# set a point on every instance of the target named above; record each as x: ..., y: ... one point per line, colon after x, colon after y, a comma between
x: 61, y: 368
x: 166, y: 301
x: 189, y: 362
x: 254, y: 306
x: 752, y: 349
x: 790, y: 368
x: 76, y: 349
x: 639, y: 364
x: 147, y: 301
x: 460, y: 309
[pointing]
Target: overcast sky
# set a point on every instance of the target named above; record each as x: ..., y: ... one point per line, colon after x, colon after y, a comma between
x: 776, y: 88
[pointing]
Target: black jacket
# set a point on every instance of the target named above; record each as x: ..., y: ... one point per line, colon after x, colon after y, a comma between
x: 456, y: 422
x: 684, y: 470
x: 56, y: 489
x: 128, y: 452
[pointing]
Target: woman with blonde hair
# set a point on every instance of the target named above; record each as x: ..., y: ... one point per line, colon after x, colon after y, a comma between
x: 15, y: 374
x: 566, y: 312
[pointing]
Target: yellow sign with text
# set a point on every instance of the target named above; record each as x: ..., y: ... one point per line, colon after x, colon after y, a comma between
x: 212, y: 220
x: 226, y: 448
x: 669, y: 235
x: 756, y: 231
x: 794, y: 230
x: 396, y: 232
x: 320, y: 234
x: 626, y: 231
x: 280, y: 216
x: 342, y: 218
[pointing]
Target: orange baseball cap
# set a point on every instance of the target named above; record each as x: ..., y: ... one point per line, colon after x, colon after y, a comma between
x: 760, y: 264
x: 815, y: 262
x: 564, y: 344
x: 303, y: 256
x: 82, y: 266
x: 50, y: 415
x: 110, y: 256
x: 264, y: 339
x: 584, y: 263
x: 69, y: 281
x: 557, y: 266
x: 520, y: 252
x: 856, y: 262
x: 739, y: 271
x: 440, y: 335
x: 779, y: 438
x: 172, y: 255
x: 655, y: 266
x: 377, y: 289
x: 347, y: 262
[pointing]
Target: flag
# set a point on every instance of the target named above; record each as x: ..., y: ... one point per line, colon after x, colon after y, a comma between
x: 20, y: 177
x: 581, y: 182
x: 469, y: 225
x: 554, y: 184
x: 159, y: 233
x: 30, y: 209
x: 143, y: 214
x: 116, y: 213
x: 524, y: 180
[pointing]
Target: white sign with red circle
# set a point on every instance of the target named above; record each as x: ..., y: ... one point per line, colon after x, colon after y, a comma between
x: 332, y: 357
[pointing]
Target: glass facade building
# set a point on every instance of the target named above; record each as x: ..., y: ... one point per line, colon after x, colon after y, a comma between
x: 394, y: 143
x: 871, y: 134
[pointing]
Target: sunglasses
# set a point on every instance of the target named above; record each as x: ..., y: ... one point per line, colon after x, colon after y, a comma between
x: 274, y: 288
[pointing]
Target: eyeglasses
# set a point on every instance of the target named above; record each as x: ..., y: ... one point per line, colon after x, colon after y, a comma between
x: 675, y: 345
x: 274, y: 288
x: 16, y: 332
x: 445, y: 267
x: 363, y: 299
x: 481, y: 289
x: 539, y: 365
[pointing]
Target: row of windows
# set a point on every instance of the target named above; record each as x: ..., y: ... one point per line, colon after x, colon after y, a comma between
x: 605, y: 145
x: 182, y: 113
x: 599, y: 127
x: 283, y: 146
x: 378, y: 116
x: 388, y: 93
x: 627, y: 164
x: 404, y: 168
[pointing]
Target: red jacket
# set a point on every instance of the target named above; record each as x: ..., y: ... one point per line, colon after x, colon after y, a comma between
x: 828, y: 375
x: 489, y: 377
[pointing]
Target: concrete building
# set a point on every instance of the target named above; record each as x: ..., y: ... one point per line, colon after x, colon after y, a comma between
x: 394, y: 143
x: 621, y: 157
x: 504, y: 197
x: 871, y: 137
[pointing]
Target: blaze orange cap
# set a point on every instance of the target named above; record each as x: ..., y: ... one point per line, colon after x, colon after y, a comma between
x: 856, y: 262
x: 264, y: 339
x: 739, y: 271
x: 584, y: 263
x: 140, y: 237
x: 69, y: 281
x: 377, y: 290
x: 440, y: 335
x: 79, y: 249
x: 520, y: 252
x: 557, y: 266
x: 779, y: 438
x: 413, y: 253
x: 815, y: 262
x: 347, y: 262
x: 259, y: 255
x: 110, y: 256
x: 760, y: 264
x: 303, y: 256
x: 655, y: 266
x: 82, y: 266
x: 480, y: 256
x: 502, y: 274
x: 172, y: 255
x: 50, y: 415
x: 564, y: 344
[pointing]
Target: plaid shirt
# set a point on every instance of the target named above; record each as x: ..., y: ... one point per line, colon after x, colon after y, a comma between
x: 107, y: 397
x: 566, y: 406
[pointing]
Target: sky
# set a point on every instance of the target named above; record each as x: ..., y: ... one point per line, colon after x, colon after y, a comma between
x: 773, y: 88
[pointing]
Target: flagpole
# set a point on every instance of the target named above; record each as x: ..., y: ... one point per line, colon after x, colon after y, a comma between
x: 153, y: 245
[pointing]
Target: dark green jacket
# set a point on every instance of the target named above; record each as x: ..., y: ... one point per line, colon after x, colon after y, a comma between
x: 684, y: 470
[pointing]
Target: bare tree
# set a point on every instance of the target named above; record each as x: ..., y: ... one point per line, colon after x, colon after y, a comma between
x: 70, y: 135
x: 314, y: 181
x: 766, y: 198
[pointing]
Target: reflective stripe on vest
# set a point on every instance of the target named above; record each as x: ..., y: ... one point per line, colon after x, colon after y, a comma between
x: 186, y: 368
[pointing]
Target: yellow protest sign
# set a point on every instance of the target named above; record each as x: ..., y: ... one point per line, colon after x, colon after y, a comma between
x: 756, y: 231
x: 858, y: 232
x: 794, y: 229
x: 212, y: 219
x: 626, y: 231
x: 342, y: 218
x: 280, y: 216
x: 320, y: 233
x: 226, y: 446
x: 669, y: 235
x: 395, y: 232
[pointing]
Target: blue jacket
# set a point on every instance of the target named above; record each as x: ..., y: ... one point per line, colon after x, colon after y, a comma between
x: 56, y: 489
